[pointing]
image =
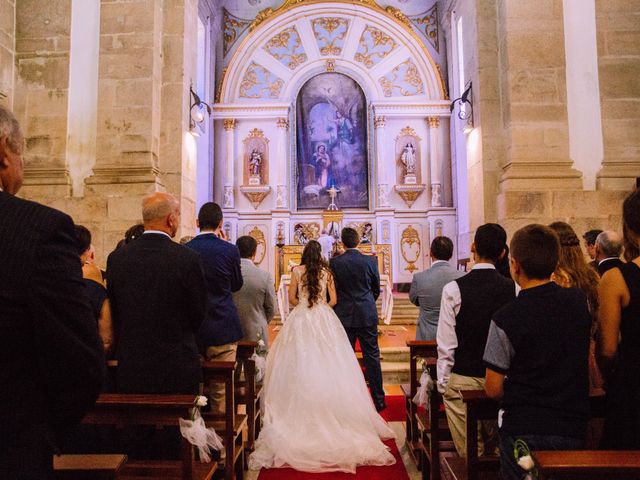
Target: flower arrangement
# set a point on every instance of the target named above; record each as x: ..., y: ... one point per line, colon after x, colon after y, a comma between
x: 197, y: 433
x: 522, y: 454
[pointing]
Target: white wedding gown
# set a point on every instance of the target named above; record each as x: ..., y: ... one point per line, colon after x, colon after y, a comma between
x: 318, y: 414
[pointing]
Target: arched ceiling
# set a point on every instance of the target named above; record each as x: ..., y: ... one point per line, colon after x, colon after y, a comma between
x: 377, y: 47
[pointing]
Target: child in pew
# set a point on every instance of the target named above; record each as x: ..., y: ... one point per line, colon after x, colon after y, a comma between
x: 536, y: 355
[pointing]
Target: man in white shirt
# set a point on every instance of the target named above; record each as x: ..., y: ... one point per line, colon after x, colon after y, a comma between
x: 326, y: 242
x: 467, y: 307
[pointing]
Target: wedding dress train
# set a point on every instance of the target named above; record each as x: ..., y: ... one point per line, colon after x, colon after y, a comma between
x: 319, y: 416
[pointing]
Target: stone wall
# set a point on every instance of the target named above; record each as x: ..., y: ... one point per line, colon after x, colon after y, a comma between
x: 618, y: 35
x: 518, y: 161
x: 7, y: 50
x: 146, y: 62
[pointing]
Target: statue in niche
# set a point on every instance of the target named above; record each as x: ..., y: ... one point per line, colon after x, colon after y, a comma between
x: 299, y: 236
x: 408, y: 159
x: 367, y: 234
x: 255, y: 162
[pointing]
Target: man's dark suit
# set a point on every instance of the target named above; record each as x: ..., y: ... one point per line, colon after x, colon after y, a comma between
x: 158, y: 300
x: 358, y: 287
x: 221, y: 262
x: 608, y: 264
x: 51, y: 360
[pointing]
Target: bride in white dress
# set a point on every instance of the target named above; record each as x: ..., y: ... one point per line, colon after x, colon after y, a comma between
x: 319, y: 416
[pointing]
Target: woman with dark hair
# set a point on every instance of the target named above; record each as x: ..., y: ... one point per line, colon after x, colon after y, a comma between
x: 94, y: 286
x: 574, y: 271
x: 319, y: 416
x: 619, y: 339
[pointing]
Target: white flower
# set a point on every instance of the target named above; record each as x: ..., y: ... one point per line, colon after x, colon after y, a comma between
x: 526, y: 462
x: 201, y: 401
x: 261, y: 343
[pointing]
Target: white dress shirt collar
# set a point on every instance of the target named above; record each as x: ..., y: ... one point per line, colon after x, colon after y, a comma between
x: 483, y: 266
x: 608, y: 258
x: 159, y: 232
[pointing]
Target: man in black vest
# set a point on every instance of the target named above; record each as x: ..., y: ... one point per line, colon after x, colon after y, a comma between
x: 467, y: 307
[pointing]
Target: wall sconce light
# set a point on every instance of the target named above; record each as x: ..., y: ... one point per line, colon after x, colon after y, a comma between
x: 466, y: 108
x: 196, y: 113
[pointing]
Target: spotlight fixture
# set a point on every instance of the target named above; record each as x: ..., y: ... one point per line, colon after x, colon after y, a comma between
x: 196, y: 113
x: 466, y: 108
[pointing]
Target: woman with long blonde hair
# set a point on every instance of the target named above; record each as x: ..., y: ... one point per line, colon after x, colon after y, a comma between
x: 574, y: 271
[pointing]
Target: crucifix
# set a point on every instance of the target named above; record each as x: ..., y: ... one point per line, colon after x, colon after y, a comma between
x: 333, y: 193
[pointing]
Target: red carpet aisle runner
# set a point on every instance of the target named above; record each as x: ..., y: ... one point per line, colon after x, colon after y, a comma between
x: 392, y: 472
x: 395, y: 411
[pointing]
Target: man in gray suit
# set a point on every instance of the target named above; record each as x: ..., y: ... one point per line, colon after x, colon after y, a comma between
x: 426, y: 287
x: 256, y: 300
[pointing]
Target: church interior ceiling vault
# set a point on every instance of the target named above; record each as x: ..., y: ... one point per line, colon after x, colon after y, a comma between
x: 265, y: 55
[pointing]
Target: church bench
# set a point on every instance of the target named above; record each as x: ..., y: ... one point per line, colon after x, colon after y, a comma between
x: 228, y: 425
x: 122, y: 409
x: 587, y: 464
x: 474, y: 467
x: 418, y: 349
x: 88, y: 467
x: 249, y: 393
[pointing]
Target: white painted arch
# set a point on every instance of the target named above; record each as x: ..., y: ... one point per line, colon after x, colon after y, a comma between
x: 410, y: 46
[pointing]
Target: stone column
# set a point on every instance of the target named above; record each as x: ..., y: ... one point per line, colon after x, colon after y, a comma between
x: 618, y: 63
x: 42, y: 38
x: 435, y: 161
x: 7, y: 51
x: 229, y: 127
x: 281, y: 178
x: 383, y: 186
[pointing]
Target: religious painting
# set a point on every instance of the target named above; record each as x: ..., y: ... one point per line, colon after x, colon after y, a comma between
x: 332, y: 143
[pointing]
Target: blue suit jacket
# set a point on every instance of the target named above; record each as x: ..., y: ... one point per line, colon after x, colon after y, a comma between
x: 358, y: 287
x: 221, y: 263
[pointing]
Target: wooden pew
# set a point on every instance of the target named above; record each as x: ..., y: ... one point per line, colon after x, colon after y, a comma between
x: 228, y: 425
x: 434, y: 434
x: 479, y: 407
x: 587, y: 464
x: 88, y: 467
x: 249, y: 393
x: 153, y: 410
x: 417, y: 349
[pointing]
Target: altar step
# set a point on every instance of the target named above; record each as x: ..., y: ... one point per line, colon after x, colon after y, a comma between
x: 404, y: 312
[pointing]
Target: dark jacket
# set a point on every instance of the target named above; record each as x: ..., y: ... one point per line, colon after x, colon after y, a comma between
x: 51, y: 360
x: 221, y: 261
x: 608, y: 264
x: 358, y: 287
x: 158, y: 299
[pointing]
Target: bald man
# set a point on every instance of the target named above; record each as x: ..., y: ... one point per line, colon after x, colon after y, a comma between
x: 158, y: 300
x: 608, y: 250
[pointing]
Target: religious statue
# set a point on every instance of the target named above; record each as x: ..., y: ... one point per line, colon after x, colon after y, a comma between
x: 299, y: 236
x: 367, y: 234
x: 255, y: 163
x: 408, y: 159
x: 323, y: 163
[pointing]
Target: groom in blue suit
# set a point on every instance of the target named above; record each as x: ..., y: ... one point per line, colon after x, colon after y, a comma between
x: 358, y: 287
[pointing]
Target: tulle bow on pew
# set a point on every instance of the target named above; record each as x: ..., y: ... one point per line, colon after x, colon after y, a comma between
x: 197, y: 433
x: 421, y: 397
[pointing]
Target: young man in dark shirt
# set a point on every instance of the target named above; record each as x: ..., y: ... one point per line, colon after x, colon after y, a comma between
x: 536, y: 355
